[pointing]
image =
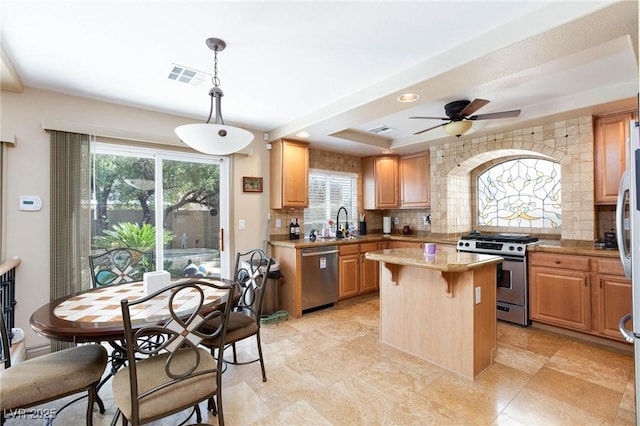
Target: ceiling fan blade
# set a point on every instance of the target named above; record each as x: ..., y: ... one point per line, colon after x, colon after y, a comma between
x: 473, y: 106
x: 492, y: 115
x: 432, y: 118
x: 430, y: 128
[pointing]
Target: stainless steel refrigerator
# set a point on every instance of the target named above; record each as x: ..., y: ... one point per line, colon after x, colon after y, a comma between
x: 628, y: 236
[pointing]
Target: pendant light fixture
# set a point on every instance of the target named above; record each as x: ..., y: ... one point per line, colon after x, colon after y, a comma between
x: 215, y: 138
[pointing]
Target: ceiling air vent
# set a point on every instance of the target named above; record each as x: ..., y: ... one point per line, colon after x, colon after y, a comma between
x: 183, y: 74
x: 381, y: 129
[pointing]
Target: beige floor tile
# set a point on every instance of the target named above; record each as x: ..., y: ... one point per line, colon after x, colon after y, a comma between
x: 519, y: 358
x: 329, y: 367
x: 533, y: 408
x: 582, y: 394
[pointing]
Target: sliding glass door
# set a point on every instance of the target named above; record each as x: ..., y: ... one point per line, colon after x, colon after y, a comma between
x: 172, y: 204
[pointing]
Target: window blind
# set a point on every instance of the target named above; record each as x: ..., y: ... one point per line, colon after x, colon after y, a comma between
x: 328, y: 191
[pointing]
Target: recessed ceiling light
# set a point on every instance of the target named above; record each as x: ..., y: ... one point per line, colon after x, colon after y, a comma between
x: 408, y: 97
x: 303, y: 134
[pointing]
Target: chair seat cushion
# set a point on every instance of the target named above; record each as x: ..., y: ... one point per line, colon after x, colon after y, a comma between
x: 51, y: 376
x: 240, y: 327
x: 151, y: 373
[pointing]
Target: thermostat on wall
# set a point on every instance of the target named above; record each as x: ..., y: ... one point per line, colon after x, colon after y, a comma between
x: 30, y: 202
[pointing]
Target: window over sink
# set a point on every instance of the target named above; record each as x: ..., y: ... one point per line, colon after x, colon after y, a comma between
x: 524, y: 193
x: 328, y: 191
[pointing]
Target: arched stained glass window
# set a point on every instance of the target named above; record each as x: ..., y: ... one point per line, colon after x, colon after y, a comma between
x: 520, y: 193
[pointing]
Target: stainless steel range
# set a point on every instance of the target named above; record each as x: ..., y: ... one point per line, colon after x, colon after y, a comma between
x: 513, y: 288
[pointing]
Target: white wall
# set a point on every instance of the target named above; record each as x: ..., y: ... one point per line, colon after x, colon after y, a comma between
x: 27, y: 233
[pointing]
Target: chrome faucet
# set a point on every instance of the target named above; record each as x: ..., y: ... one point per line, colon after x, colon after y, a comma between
x: 339, y: 234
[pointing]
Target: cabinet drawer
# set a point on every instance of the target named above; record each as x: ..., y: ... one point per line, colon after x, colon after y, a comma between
x: 560, y: 261
x: 610, y: 266
x: 365, y: 247
x: 349, y: 249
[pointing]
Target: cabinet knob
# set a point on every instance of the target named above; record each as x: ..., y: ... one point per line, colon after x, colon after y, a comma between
x: 557, y: 262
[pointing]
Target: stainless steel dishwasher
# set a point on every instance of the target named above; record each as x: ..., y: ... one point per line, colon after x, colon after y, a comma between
x: 319, y: 276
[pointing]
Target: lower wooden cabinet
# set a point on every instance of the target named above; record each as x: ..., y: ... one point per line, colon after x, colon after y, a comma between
x: 559, y: 290
x: 405, y: 244
x: 357, y: 275
x: 581, y: 293
x: 613, y: 295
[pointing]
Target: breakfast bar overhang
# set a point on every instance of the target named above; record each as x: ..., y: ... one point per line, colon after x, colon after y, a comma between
x: 440, y: 308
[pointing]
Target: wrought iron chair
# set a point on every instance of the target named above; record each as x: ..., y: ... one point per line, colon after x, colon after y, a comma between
x: 118, y: 265
x: 251, y: 272
x: 177, y: 374
x: 49, y: 377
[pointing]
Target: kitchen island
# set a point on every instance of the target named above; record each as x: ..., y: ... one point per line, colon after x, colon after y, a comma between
x: 440, y: 308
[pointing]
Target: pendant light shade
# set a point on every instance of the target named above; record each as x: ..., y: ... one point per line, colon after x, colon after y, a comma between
x: 218, y: 138
x: 215, y: 139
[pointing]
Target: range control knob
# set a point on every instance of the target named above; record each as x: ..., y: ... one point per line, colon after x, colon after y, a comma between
x: 511, y: 248
x: 520, y: 248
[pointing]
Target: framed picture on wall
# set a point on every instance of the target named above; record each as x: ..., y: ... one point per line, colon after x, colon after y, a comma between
x: 251, y: 184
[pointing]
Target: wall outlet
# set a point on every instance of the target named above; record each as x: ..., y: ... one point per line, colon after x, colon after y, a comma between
x: 478, y: 295
x: 395, y: 220
x: 278, y: 223
x: 426, y: 219
x: 241, y: 224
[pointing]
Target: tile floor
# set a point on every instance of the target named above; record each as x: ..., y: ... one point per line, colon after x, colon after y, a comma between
x: 328, y: 368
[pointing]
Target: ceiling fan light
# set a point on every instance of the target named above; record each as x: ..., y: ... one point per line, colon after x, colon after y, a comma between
x: 457, y: 128
x: 214, y: 139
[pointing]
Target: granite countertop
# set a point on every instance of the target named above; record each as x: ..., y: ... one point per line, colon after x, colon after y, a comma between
x: 284, y: 241
x: 446, y: 259
x: 571, y: 247
x: 574, y: 247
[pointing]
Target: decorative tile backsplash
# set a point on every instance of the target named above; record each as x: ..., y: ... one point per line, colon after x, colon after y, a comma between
x: 454, y: 167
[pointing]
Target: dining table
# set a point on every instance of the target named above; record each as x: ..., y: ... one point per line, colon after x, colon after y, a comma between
x: 95, y: 315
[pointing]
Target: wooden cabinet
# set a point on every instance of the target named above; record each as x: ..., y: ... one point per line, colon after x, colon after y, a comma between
x: 559, y: 288
x: 415, y: 187
x: 611, y: 133
x: 405, y: 244
x: 369, y: 269
x: 380, y: 182
x: 348, y: 270
x: 289, y: 179
x: 613, y: 295
x: 357, y: 275
x: 588, y: 294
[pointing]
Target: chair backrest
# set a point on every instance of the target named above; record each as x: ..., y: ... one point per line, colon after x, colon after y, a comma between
x: 173, y: 331
x: 5, y: 350
x: 251, y: 272
x: 118, y: 266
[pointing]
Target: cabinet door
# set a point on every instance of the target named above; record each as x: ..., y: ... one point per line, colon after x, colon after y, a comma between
x: 560, y: 297
x: 295, y: 175
x: 387, y: 182
x: 415, y: 180
x: 348, y: 275
x: 610, y: 138
x: 615, y: 302
x: 405, y: 244
x: 369, y: 269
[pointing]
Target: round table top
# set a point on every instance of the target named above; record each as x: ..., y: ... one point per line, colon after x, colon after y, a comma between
x: 96, y: 315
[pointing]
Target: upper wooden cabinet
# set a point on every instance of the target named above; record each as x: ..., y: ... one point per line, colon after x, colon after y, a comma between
x: 611, y: 135
x: 415, y: 180
x: 380, y: 182
x: 289, y: 174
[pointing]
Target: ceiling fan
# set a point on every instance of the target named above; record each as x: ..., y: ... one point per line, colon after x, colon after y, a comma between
x: 459, y: 116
